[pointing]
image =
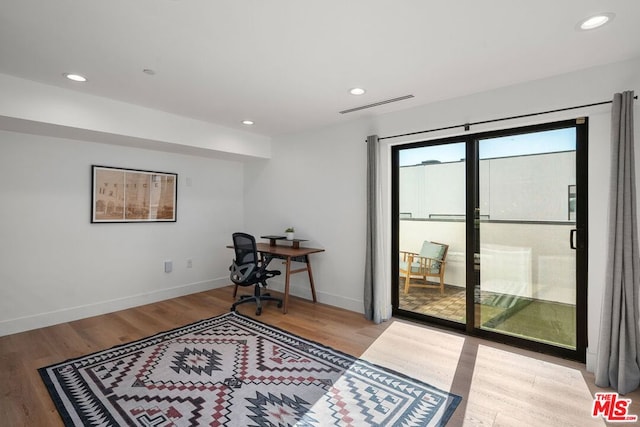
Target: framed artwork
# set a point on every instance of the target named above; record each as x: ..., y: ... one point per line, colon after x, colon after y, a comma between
x: 130, y: 195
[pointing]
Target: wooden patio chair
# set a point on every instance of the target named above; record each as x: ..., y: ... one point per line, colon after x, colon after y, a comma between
x: 429, y: 263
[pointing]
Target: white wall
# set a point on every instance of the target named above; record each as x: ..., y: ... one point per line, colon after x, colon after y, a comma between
x: 56, y: 266
x: 315, y: 184
x: 316, y: 180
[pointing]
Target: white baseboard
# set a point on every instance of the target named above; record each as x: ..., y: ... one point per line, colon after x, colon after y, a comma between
x: 304, y: 291
x: 41, y: 320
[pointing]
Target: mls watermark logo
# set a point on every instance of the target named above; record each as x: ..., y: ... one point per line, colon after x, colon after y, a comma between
x: 612, y: 408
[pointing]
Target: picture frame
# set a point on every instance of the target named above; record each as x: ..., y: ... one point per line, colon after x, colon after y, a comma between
x: 132, y: 195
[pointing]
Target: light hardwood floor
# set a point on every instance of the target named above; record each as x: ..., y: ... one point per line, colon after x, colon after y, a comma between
x: 24, y: 400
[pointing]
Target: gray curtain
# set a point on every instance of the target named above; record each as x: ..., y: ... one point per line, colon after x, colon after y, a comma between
x: 372, y: 220
x: 618, y: 363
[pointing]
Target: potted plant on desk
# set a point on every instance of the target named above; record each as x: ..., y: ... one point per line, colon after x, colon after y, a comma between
x: 290, y: 231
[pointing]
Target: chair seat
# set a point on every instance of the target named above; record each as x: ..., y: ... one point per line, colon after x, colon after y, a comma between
x: 416, y: 268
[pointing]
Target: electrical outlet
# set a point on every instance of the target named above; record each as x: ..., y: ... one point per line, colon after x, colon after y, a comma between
x: 168, y: 266
x: 189, y: 263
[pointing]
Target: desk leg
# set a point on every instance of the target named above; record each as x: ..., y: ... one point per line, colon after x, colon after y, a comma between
x: 286, y: 286
x: 313, y: 288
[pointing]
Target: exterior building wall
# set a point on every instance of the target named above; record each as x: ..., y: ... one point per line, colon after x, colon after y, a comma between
x: 520, y: 188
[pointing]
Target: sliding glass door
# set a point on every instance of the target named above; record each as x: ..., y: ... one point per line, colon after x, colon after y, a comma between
x: 432, y: 210
x: 508, y: 210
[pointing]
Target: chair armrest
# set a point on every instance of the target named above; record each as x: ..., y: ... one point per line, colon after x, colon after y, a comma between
x: 408, y: 256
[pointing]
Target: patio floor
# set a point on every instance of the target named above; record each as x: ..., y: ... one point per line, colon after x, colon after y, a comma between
x: 539, y: 320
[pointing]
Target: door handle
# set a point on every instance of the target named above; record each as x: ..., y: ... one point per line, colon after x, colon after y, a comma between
x: 572, y: 238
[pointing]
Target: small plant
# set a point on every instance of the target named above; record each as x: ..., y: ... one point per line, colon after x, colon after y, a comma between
x: 290, y: 233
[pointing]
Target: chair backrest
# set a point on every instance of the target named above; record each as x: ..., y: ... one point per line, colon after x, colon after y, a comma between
x: 436, y: 251
x: 245, y: 247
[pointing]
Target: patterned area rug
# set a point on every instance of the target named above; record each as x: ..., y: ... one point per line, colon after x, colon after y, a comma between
x: 232, y: 370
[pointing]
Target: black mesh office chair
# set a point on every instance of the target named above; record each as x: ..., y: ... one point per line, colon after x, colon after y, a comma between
x: 247, y: 269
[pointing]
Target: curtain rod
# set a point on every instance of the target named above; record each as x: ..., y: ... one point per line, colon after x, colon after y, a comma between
x: 467, y: 126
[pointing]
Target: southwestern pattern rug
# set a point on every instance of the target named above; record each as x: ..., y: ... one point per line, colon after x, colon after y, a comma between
x: 232, y: 370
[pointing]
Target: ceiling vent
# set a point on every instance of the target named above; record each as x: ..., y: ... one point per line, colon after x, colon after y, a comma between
x: 375, y: 104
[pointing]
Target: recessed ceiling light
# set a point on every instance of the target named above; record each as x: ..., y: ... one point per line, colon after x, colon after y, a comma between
x: 75, y: 77
x: 247, y: 122
x: 357, y: 91
x: 595, y: 21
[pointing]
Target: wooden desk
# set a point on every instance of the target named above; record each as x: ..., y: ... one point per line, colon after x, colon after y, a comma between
x: 288, y: 254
